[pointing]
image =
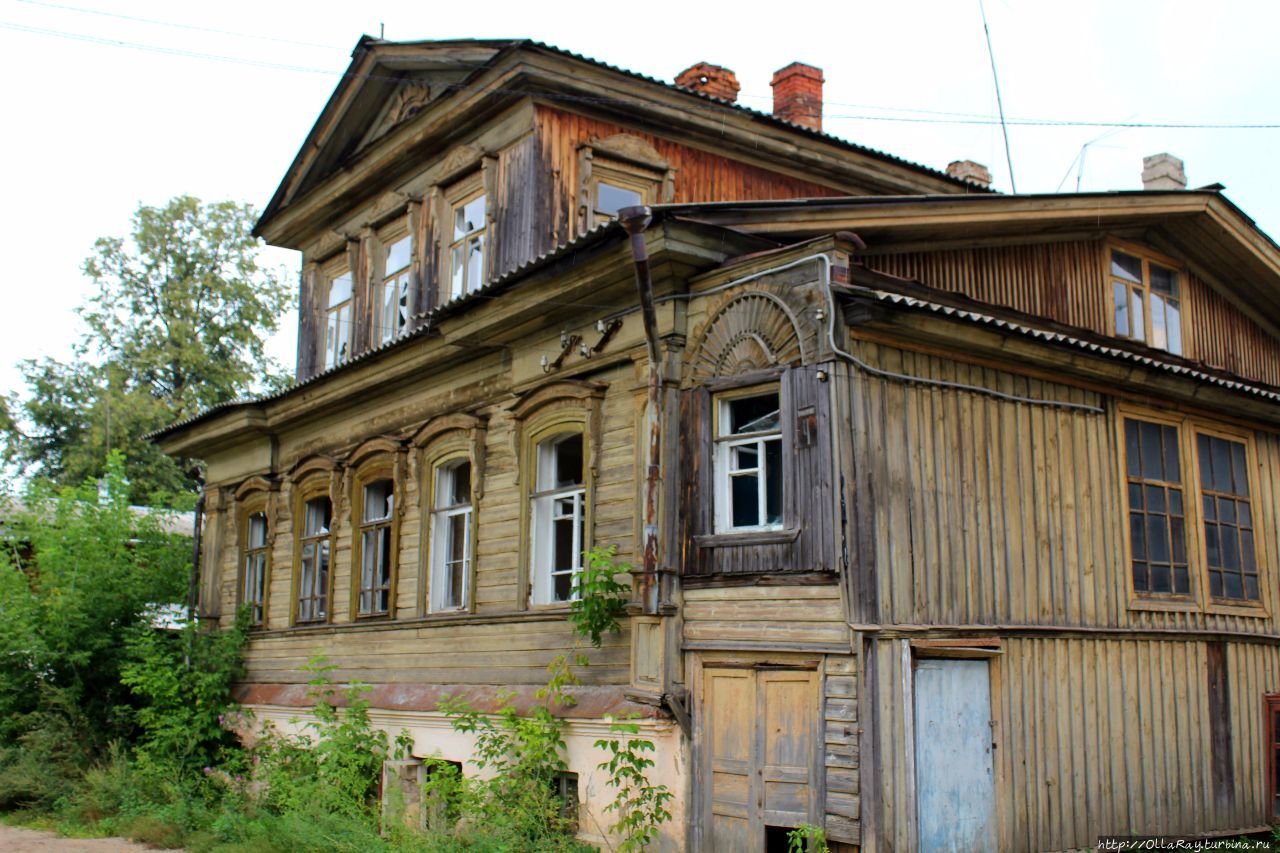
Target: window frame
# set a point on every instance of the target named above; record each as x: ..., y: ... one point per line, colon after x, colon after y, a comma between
x: 383, y: 466
x: 250, y: 502
x: 460, y: 194
x: 721, y: 475
x: 620, y: 174
x: 435, y: 517
x: 401, y: 277
x: 331, y: 272
x: 312, y: 486
x: 542, y: 502
x: 1147, y: 257
x: 1188, y: 427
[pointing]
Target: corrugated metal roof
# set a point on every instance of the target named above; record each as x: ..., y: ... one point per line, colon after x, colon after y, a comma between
x: 898, y: 299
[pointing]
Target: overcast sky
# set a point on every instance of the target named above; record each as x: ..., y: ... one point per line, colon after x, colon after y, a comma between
x: 107, y: 105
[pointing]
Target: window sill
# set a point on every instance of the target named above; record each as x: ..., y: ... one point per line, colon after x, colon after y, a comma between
x: 748, y: 537
x: 1172, y: 605
x: 1229, y: 608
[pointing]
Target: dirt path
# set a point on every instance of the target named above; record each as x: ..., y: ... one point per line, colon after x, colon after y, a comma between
x: 15, y: 839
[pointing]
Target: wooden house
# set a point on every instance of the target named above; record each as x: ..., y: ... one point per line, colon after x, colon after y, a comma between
x: 967, y: 531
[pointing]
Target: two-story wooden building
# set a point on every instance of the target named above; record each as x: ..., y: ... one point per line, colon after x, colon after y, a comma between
x: 967, y: 503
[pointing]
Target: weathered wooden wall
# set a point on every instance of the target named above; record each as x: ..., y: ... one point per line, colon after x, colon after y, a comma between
x: 1096, y: 736
x: 502, y: 642
x: 699, y: 175
x: 1065, y: 282
x: 783, y: 617
x: 992, y: 512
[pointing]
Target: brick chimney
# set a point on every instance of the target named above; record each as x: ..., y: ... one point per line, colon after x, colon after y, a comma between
x: 797, y: 94
x: 710, y: 80
x: 967, y: 170
x: 1163, y: 172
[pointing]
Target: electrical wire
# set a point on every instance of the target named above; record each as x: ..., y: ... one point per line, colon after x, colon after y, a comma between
x: 927, y: 117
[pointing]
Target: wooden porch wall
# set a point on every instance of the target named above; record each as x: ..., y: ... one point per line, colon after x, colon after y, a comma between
x: 1064, y: 282
x: 439, y: 649
x: 1095, y: 737
x: 990, y: 512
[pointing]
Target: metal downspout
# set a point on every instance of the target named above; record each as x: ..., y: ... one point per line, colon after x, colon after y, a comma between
x: 636, y: 220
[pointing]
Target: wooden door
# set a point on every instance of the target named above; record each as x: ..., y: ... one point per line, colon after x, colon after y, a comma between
x: 758, y: 754
x: 955, y: 778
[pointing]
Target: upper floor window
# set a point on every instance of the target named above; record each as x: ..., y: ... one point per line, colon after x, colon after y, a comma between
x: 451, y: 546
x: 748, y: 462
x: 337, y: 335
x: 392, y: 305
x: 613, y: 186
x: 467, y: 245
x: 558, y: 505
x: 1146, y: 301
x: 1173, y: 540
x: 377, y: 552
x: 313, y: 560
x: 254, y: 560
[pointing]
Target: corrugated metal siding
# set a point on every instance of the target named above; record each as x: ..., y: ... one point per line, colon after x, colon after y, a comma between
x: 993, y: 512
x: 1065, y: 282
x: 1095, y: 737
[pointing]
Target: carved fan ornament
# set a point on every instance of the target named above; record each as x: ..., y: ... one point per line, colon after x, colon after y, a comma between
x: 752, y: 332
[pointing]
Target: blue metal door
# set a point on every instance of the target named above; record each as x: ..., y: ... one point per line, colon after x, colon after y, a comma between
x: 955, y: 779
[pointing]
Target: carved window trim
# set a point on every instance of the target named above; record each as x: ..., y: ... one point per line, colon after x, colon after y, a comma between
x: 313, y: 478
x: 629, y: 161
x: 255, y: 496
x: 562, y: 408
x: 441, y: 442
x: 377, y: 459
x: 1189, y: 427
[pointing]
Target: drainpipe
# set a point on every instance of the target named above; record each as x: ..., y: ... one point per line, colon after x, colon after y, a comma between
x: 636, y: 220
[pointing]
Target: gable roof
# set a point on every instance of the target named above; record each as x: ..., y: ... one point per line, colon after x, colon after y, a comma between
x: 455, y: 69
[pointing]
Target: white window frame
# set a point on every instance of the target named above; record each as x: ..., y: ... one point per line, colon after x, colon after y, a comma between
x: 391, y: 317
x: 546, y: 508
x: 442, y: 516
x: 725, y: 443
x: 314, y: 581
x: 253, y: 582
x: 337, y: 318
x: 457, y: 203
x: 373, y: 563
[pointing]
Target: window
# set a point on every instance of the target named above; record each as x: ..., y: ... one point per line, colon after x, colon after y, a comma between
x: 313, y: 566
x: 451, y: 535
x: 613, y: 186
x: 1147, y: 301
x: 558, y: 517
x: 467, y: 246
x: 1168, y: 459
x: 392, y: 306
x: 1228, y: 518
x: 1157, y: 519
x: 564, y: 787
x: 748, y: 463
x: 253, y: 590
x: 377, y: 557
x: 337, y: 335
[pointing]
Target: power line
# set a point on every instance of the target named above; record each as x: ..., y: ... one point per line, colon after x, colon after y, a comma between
x: 937, y: 117
x: 180, y: 26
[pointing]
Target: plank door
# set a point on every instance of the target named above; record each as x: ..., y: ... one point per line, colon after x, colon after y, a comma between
x: 758, y: 754
x: 955, y: 778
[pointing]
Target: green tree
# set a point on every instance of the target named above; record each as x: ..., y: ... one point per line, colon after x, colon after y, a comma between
x: 175, y: 325
x: 78, y: 573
